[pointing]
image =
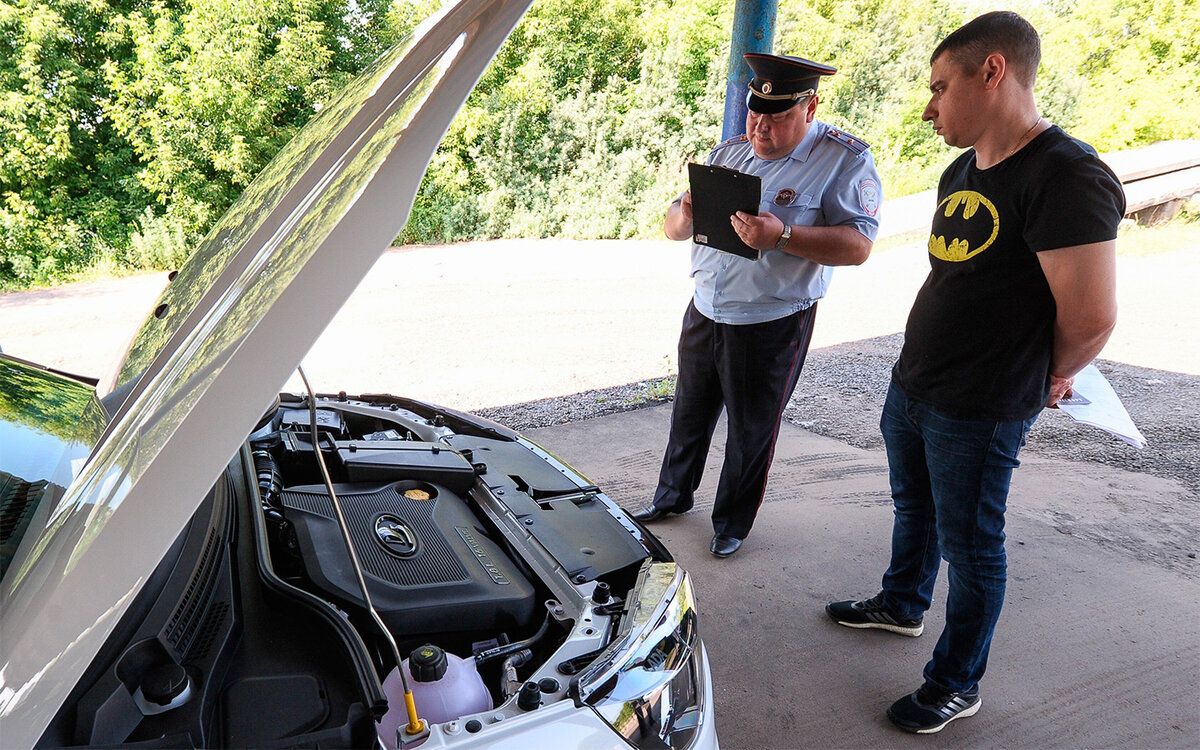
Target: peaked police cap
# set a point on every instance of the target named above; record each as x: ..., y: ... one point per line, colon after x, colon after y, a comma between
x: 780, y: 81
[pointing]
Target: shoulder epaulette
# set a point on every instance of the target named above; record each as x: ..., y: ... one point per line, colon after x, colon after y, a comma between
x: 854, y: 143
x: 736, y: 139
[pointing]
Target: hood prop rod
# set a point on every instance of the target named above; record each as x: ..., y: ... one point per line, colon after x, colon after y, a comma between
x: 416, y: 727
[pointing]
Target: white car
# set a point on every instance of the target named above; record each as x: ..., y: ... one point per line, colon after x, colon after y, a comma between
x: 188, y: 559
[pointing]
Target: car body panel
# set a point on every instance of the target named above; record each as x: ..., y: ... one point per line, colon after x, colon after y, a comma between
x: 238, y: 317
x: 561, y: 725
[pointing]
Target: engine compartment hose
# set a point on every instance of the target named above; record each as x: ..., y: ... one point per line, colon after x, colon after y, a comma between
x: 495, y: 653
x: 270, y: 482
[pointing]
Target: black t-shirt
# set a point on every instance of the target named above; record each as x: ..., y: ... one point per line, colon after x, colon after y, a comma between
x: 980, y: 334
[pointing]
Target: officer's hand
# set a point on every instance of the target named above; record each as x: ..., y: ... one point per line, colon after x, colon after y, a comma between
x: 685, y: 206
x: 1060, y: 388
x: 759, y: 232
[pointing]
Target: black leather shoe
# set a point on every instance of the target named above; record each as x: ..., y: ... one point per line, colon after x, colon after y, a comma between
x: 650, y: 514
x: 724, y: 546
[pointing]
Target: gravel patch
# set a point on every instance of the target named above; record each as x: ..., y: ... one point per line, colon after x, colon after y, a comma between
x: 599, y: 402
x: 841, y: 394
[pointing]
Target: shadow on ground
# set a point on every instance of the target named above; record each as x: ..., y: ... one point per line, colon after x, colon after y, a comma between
x: 1083, y: 649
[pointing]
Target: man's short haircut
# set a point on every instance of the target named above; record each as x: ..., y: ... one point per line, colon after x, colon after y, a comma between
x: 999, y: 31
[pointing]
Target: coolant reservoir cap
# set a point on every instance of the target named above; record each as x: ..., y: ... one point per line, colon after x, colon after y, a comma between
x: 427, y: 663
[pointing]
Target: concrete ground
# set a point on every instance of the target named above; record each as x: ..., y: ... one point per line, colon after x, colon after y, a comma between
x: 1097, y: 647
x: 1094, y: 648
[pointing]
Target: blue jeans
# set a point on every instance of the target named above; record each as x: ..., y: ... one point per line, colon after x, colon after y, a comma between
x: 950, y: 481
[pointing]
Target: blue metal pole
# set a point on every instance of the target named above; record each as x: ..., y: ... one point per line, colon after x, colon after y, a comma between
x: 753, y: 31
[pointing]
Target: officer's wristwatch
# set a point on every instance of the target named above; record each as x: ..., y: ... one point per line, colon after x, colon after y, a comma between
x: 783, y: 238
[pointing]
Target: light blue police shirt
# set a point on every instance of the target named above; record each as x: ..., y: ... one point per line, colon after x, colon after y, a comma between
x: 829, y: 179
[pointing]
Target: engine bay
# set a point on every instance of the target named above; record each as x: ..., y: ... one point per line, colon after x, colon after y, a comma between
x: 471, y: 540
x: 498, y: 573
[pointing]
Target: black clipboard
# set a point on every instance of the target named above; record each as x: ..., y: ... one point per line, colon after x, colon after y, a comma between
x: 717, y: 193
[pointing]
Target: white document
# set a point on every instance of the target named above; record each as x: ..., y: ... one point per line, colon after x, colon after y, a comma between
x: 1095, y: 402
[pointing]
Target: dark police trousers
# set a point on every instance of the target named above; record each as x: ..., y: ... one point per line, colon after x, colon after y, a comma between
x: 750, y: 371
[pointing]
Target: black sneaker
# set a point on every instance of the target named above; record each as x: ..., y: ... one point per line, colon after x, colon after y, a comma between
x: 872, y: 613
x: 929, y: 709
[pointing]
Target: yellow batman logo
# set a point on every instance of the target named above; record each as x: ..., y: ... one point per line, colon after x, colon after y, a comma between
x: 959, y: 249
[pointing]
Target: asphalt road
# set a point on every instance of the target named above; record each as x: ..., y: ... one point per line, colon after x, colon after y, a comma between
x: 492, y: 323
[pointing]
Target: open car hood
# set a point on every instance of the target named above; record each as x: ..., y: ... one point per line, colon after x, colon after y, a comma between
x: 225, y: 336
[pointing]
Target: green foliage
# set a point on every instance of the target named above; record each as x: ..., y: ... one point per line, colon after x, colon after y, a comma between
x: 213, y: 88
x: 575, y: 133
x: 548, y: 147
x: 159, y: 242
x: 1135, y: 67
x: 112, y: 109
x: 128, y: 126
x: 653, y: 391
x: 63, y: 197
x: 881, y: 49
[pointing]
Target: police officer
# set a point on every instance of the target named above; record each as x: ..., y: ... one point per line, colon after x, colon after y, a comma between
x: 747, y: 329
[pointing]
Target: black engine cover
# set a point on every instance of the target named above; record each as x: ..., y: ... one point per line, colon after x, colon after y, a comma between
x: 428, y: 564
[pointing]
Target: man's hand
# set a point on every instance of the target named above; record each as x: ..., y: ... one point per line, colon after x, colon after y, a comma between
x: 685, y: 206
x: 759, y: 232
x: 678, y: 224
x: 1060, y: 388
x: 829, y: 246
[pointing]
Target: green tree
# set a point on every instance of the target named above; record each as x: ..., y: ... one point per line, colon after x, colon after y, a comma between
x: 1134, y: 67
x: 881, y: 49
x: 128, y: 126
x: 213, y: 88
x: 66, y: 193
x: 581, y: 125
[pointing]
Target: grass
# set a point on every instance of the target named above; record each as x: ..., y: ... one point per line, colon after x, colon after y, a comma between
x: 654, y: 391
x: 1180, y: 233
x: 901, y: 240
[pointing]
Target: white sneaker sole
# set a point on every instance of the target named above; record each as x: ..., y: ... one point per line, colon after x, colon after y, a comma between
x: 898, y: 629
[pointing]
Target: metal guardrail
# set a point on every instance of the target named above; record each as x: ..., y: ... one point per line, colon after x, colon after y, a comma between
x: 1157, y: 179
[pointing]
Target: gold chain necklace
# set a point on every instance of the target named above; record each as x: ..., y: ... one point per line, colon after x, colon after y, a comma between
x: 1021, y: 140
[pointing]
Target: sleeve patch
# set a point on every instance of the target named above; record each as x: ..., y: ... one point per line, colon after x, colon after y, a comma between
x: 868, y: 196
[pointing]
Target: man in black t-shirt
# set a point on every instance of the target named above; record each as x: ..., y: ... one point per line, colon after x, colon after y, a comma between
x: 1020, y: 297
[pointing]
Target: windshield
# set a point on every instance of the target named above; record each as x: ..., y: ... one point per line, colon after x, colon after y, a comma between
x: 48, y: 425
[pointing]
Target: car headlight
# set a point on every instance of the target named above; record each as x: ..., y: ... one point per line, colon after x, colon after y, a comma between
x: 648, y: 684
